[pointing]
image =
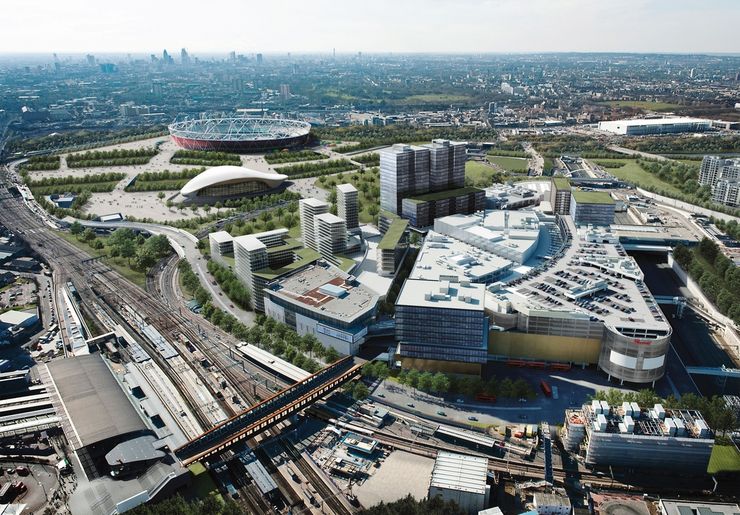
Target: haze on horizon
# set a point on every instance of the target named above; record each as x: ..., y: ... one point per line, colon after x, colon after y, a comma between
x: 459, y: 26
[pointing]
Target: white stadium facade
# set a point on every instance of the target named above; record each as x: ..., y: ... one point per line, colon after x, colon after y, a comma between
x: 225, y: 182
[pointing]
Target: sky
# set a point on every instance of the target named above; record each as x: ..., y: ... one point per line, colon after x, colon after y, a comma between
x: 349, y: 26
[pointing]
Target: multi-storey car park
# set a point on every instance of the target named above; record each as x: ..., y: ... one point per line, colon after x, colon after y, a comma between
x: 635, y: 437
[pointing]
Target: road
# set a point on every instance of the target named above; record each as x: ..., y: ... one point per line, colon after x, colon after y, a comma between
x: 536, y: 161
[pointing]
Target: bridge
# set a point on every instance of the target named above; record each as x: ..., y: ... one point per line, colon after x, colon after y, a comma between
x: 722, y: 371
x: 679, y: 302
x: 269, y: 412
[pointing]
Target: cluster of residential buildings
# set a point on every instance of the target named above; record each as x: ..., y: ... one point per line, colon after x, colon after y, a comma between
x: 723, y: 177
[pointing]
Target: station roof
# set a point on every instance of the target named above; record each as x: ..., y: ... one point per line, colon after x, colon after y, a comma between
x: 93, y: 400
x: 460, y: 472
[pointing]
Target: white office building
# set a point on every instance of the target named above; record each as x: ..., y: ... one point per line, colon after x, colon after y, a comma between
x: 348, y: 205
x: 308, y: 208
x: 330, y: 233
x: 221, y: 244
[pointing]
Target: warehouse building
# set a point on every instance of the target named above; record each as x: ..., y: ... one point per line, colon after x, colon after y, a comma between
x: 655, y: 126
x: 636, y: 437
x: 462, y: 479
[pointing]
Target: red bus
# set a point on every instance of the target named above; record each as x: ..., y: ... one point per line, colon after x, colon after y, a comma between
x: 546, y: 388
x: 485, y: 398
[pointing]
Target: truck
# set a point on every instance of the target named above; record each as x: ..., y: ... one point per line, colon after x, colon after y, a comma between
x: 545, y: 388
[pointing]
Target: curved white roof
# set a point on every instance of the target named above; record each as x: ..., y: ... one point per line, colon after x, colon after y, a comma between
x: 229, y: 174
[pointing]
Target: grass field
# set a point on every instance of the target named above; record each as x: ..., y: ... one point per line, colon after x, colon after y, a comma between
x: 725, y: 458
x: 203, y: 485
x: 118, y: 264
x: 480, y: 174
x: 632, y: 172
x: 640, y: 104
x: 511, y: 164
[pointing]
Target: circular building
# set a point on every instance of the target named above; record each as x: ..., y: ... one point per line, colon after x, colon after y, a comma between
x: 224, y: 182
x: 239, y: 134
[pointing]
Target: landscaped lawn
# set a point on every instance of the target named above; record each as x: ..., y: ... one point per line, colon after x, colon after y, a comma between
x: 634, y: 173
x: 203, y: 485
x: 725, y: 458
x: 511, y: 164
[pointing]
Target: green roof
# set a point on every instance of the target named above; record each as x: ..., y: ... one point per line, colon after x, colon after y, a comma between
x: 290, y: 244
x: 344, y: 263
x: 561, y: 183
x: 305, y: 257
x: 394, y: 234
x: 440, y: 195
x: 388, y: 214
x: 592, y: 197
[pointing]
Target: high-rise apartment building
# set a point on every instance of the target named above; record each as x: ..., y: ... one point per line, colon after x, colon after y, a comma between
x: 308, y: 208
x: 250, y: 255
x: 723, y: 177
x: 330, y: 232
x: 404, y: 172
x: 348, y: 205
x: 420, y: 183
x: 560, y: 195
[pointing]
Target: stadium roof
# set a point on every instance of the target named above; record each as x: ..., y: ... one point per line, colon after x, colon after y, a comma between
x: 93, y: 400
x: 239, y: 129
x: 229, y: 175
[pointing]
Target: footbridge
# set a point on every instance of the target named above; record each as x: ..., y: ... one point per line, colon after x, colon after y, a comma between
x: 269, y: 412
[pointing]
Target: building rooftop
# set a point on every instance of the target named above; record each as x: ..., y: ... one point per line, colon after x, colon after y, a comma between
x: 592, y: 197
x: 14, y: 317
x: 442, y: 294
x: 326, y: 289
x: 93, y: 400
x: 305, y: 256
x: 346, y: 188
x: 221, y: 237
x: 687, y: 507
x: 460, y: 472
x: 561, y: 183
x: 134, y: 450
x: 655, y: 121
x: 442, y: 257
x: 393, y: 235
x: 329, y: 218
x: 595, y: 280
x: 313, y: 202
x: 249, y: 242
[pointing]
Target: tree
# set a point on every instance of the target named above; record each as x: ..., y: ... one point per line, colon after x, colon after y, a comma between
x: 76, y: 228
x: 160, y: 195
x: 331, y: 355
x: 440, y: 383
x: 360, y: 391
x: 425, y: 381
x: 88, y: 235
x: 412, y: 378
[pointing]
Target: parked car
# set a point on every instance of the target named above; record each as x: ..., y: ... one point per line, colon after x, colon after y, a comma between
x: 441, y: 413
x: 472, y: 418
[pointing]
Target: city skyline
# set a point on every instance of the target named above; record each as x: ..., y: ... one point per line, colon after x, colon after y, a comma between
x: 501, y: 26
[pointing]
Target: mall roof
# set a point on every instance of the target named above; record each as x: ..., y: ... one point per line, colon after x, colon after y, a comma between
x: 460, y: 472
x: 442, y: 294
x: 306, y: 288
x: 230, y: 174
x: 93, y: 400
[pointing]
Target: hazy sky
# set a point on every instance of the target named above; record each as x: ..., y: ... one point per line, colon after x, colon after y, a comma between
x: 369, y: 25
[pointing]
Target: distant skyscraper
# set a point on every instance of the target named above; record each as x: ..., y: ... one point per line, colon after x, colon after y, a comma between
x: 184, y: 57
x: 157, y: 89
x: 347, y: 205
x: 284, y: 91
x: 90, y: 59
x: 259, y: 58
x: 232, y: 56
x: 308, y: 209
x: 166, y: 57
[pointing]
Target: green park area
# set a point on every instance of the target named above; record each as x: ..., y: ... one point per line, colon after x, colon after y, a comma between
x: 124, y: 251
x: 510, y: 164
x: 481, y: 175
x: 725, y: 459
x: 632, y: 172
x: 366, y: 181
x: 642, y: 104
x: 434, y: 98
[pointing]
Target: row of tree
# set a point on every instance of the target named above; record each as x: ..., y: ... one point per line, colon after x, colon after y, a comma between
x: 83, y: 139
x: 71, y: 179
x: 313, y: 169
x: 731, y: 227
x: 280, y: 157
x: 373, y: 135
x: 139, y: 251
x: 685, y: 145
x: 163, y: 181
x: 716, y: 274
x: 715, y: 411
x: 372, y: 159
x: 41, y: 163
x: 118, y: 157
x: 205, y: 158
x: 231, y: 285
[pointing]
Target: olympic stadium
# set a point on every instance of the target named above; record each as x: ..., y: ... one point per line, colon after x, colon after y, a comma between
x: 239, y: 134
x: 224, y: 182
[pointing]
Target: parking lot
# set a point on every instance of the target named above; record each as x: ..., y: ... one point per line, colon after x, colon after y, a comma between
x: 40, y: 483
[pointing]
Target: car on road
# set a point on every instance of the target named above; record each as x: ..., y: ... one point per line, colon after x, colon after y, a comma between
x: 441, y: 413
x: 22, y: 471
x: 410, y: 405
x: 472, y: 418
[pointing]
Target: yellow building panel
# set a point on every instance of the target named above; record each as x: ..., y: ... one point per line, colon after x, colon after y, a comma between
x: 543, y: 347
